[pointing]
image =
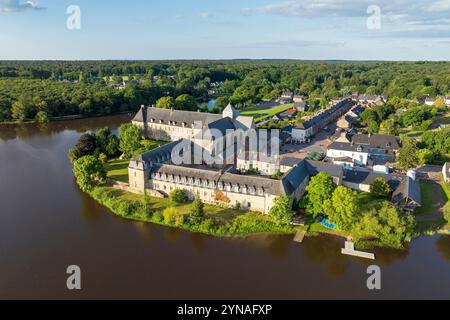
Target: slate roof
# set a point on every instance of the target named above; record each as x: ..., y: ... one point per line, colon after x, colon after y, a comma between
x: 408, y: 189
x: 325, y: 115
x: 314, y: 167
x: 290, y: 161
x: 176, y: 117
x: 379, y: 141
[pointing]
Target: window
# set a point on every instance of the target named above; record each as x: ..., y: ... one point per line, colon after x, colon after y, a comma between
x: 249, y: 205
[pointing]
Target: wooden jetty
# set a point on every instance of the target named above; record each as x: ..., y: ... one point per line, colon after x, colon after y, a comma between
x: 350, y: 251
x: 300, y: 236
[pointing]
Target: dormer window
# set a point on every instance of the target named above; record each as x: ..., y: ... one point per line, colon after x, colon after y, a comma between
x: 152, y: 120
x: 161, y: 121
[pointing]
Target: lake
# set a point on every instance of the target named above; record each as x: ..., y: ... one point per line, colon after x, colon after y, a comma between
x: 47, y: 224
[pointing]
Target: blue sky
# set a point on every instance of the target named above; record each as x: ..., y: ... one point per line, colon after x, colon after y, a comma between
x: 211, y: 29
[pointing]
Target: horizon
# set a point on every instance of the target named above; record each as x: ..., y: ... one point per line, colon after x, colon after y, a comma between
x: 306, y: 30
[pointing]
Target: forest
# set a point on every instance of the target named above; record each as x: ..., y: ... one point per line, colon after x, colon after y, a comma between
x: 43, y: 90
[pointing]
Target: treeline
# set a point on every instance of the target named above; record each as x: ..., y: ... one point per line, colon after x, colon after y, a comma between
x: 60, y: 88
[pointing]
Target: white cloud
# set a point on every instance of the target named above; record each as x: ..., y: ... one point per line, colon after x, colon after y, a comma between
x: 17, y: 5
x: 205, y: 14
x: 395, y: 14
x: 439, y: 6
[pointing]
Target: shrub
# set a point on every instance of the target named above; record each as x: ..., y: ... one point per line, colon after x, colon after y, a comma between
x: 169, y: 215
x: 196, y: 211
x: 158, y: 216
x: 178, y: 196
x: 446, y: 212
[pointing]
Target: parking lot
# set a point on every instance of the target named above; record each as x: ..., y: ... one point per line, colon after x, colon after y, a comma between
x: 319, y: 143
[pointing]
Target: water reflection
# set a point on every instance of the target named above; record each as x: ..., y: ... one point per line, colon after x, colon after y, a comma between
x: 443, y: 246
x: 28, y: 130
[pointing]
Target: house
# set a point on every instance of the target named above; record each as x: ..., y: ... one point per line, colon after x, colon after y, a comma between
x: 311, y: 127
x: 446, y: 172
x: 405, y: 190
x: 366, y: 149
x: 287, y: 95
x: 299, y: 98
x: 288, y: 114
x: 447, y: 100
x: 301, y: 106
x: 429, y: 101
x: 346, y: 122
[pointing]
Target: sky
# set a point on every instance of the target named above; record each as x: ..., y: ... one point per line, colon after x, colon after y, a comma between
x: 226, y: 29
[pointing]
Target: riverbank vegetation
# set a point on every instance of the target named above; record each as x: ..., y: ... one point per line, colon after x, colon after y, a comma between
x: 369, y: 218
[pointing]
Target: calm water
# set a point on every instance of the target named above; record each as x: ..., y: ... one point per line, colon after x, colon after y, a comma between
x: 46, y: 224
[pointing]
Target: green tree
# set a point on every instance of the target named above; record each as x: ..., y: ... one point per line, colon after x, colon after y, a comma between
x: 42, y: 117
x: 178, y: 196
x: 129, y: 139
x: 89, y: 171
x: 319, y: 189
x: 425, y: 156
x: 165, y: 103
x: 380, y: 188
x: 107, y: 142
x: 281, y: 210
x: 185, y: 102
x: 74, y: 154
x: 446, y: 212
x: 196, y: 211
x: 408, y: 157
x: 19, y: 110
x: 387, y: 223
x: 342, y: 208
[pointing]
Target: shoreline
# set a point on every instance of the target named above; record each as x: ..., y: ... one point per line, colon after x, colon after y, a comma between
x: 65, y: 118
x: 138, y: 214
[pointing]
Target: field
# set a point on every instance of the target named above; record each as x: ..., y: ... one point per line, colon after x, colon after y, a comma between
x: 117, y: 170
x: 261, y: 113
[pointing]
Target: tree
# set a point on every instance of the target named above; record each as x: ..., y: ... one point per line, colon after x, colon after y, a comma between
x: 425, y: 156
x: 380, y: 188
x: 408, y: 156
x: 387, y: 223
x: 185, y: 102
x: 88, y: 171
x: 178, y: 196
x: 319, y: 189
x: 19, y: 110
x: 86, y: 144
x: 196, y: 211
x: 74, y: 154
x: 129, y: 139
x: 42, y: 117
x: 107, y: 142
x: 281, y: 210
x: 165, y: 103
x: 342, y: 208
x: 446, y: 212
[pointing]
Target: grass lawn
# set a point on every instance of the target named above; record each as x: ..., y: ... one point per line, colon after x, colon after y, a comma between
x: 261, y: 114
x: 117, y: 170
x: 427, y: 200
